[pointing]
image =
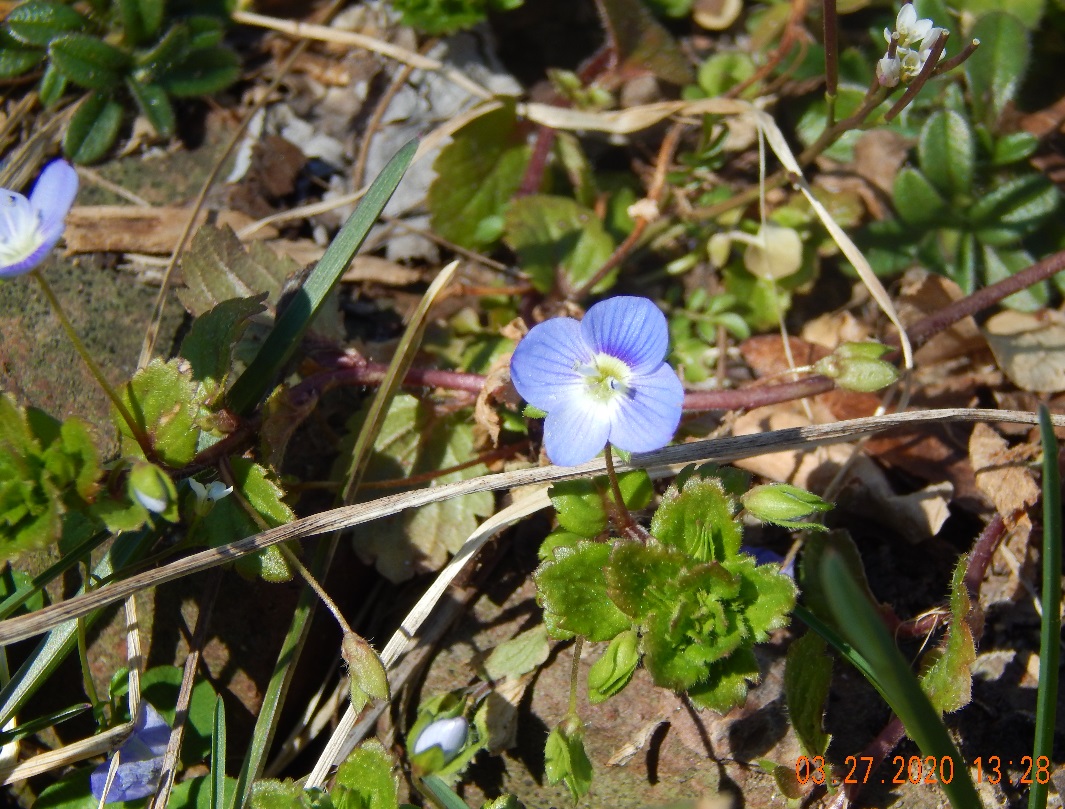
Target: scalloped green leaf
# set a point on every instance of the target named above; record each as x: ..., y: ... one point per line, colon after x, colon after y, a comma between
x: 947, y: 153
x: 579, y: 503
x: 697, y: 520
x: 645, y: 579
x: 523, y: 653
x: 726, y: 683
x: 367, y: 777
x: 477, y: 175
x: 93, y: 128
x: 572, y: 589
x: 558, y: 241
x: 948, y: 680
x: 162, y: 398
x: 88, y: 61
x: 209, y: 344
x: 38, y: 22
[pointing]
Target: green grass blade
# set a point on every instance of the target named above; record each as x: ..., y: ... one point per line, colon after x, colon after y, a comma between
x: 40, y: 581
x: 43, y: 722
x: 290, y: 327
x: 864, y: 630
x: 442, y: 793
x: 59, y: 642
x: 1050, y: 631
x: 218, y: 755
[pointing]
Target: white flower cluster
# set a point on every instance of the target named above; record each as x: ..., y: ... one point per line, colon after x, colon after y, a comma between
x: 915, y: 39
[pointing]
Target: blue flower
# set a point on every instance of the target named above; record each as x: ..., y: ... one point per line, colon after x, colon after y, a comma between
x: 140, y: 760
x: 601, y: 379
x: 447, y: 734
x: 29, y: 228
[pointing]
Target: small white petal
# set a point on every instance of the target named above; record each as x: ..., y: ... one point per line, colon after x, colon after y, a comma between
x: 447, y: 734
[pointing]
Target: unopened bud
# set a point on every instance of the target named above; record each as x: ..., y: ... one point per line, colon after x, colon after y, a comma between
x: 447, y: 734
x: 152, y: 488
x: 784, y: 504
x: 858, y: 367
x: 369, y: 680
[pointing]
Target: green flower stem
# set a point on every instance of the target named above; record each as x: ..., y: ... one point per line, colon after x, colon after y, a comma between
x: 1050, y: 628
x: 625, y: 522
x: 319, y: 591
x: 575, y: 669
x: 86, y: 671
x: 138, y: 432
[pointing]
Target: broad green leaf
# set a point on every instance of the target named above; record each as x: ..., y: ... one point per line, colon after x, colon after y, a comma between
x: 572, y: 589
x: 579, y: 503
x: 155, y: 105
x: 204, y: 31
x: 698, y: 521
x: 521, y: 654
x: 208, y: 346
x: 947, y: 153
x: 555, y: 540
x: 271, y: 794
x: 948, y: 681
x: 644, y: 579
x: 203, y: 72
x: 367, y: 777
x: 767, y: 596
x: 1028, y: 12
x: 160, y: 686
x: 38, y: 22
x: 477, y: 175
x: 995, y: 71
x: 916, y: 199
x: 162, y: 398
x: 807, y: 676
x: 557, y: 241
x: 228, y: 520
x: 614, y: 668
x: 414, y: 440
x: 93, y: 128
x: 726, y: 683
x: 565, y: 759
x: 89, y: 62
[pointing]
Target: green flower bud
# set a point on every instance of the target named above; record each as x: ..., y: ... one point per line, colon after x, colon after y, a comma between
x: 858, y: 367
x: 784, y: 504
x: 152, y: 488
x: 369, y: 680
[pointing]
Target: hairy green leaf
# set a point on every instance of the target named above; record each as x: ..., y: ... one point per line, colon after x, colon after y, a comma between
x: 579, y: 503
x: 948, y: 681
x: 38, y: 22
x: 93, y: 128
x: 365, y: 779
x: 89, y: 62
x: 155, y: 105
x: 807, y: 676
x: 572, y: 588
x: 523, y: 653
x: 697, y: 520
x: 565, y: 759
x: 995, y: 71
x: 209, y: 344
x: 203, y: 72
x: 947, y: 152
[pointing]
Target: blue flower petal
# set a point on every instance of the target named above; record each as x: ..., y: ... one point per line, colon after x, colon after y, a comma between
x: 140, y: 760
x: 544, y: 364
x: 632, y: 329
x: 647, y: 419
x: 52, y: 196
x: 575, y: 431
x: 32, y: 260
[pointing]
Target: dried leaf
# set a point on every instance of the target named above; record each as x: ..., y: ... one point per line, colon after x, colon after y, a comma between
x: 1029, y: 348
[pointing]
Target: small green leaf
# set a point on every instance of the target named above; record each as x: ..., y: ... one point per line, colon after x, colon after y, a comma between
x: 160, y: 686
x: 565, y: 759
x: 807, y: 676
x: 995, y: 71
x: 573, y: 591
x: 557, y: 240
x: 521, y: 654
x: 579, y: 503
x: 1000, y: 263
x: 154, y: 105
x: 698, y: 521
x: 271, y: 794
x: 89, y: 62
x: 162, y: 397
x: 165, y: 55
x: 367, y: 776
x: 948, y: 681
x: 38, y: 22
x: 15, y: 61
x: 947, y: 152
x: 140, y: 18
x: 203, y: 72
x: 614, y: 668
x: 916, y: 199
x: 557, y: 539
x: 93, y: 128
x: 477, y: 175
x: 1013, y: 209
x: 1013, y: 148
x: 53, y: 85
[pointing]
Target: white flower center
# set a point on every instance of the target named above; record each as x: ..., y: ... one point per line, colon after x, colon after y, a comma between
x: 606, y: 377
x: 20, y: 233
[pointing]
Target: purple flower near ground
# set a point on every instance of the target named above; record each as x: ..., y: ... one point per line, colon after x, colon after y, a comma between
x: 601, y: 379
x: 140, y: 760
x: 30, y: 228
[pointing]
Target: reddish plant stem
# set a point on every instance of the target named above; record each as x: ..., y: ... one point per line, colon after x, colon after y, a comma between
x: 534, y: 171
x: 983, y: 552
x: 878, y: 749
x: 831, y: 48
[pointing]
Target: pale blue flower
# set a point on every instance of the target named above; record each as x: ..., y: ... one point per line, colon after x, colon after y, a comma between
x: 30, y: 228
x: 601, y: 379
x: 140, y: 760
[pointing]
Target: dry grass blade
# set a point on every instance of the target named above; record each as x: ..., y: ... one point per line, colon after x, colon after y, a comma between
x: 718, y: 450
x: 68, y: 754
